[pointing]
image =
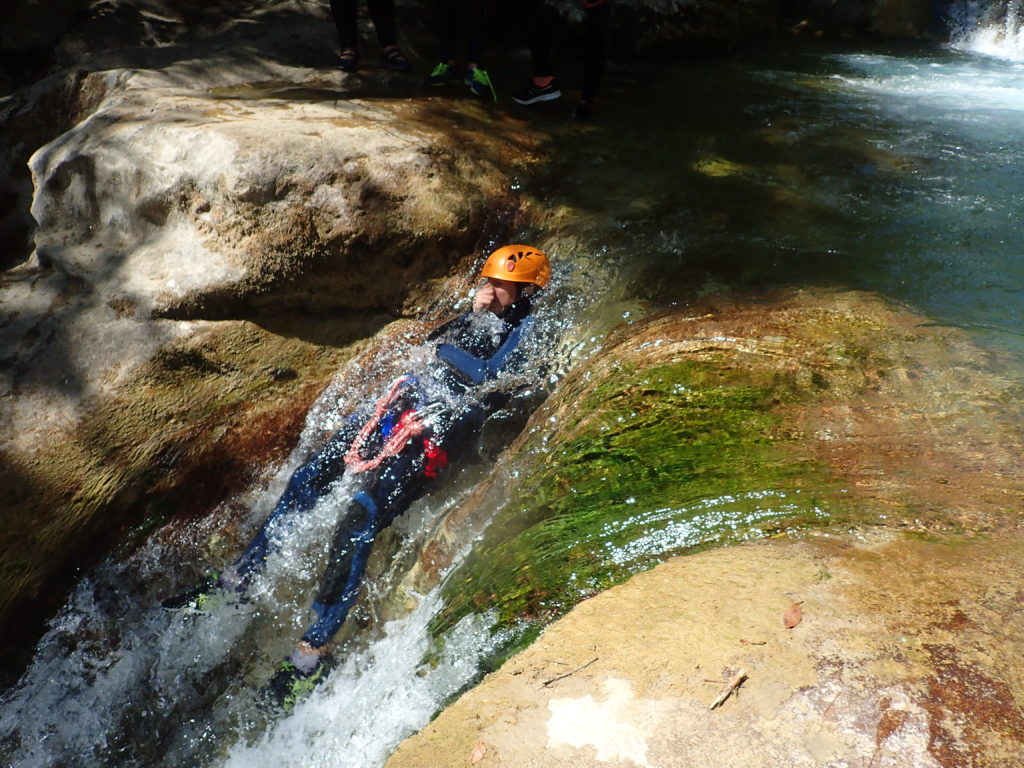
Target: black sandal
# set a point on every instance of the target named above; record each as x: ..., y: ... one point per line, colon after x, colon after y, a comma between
x: 348, y: 60
x: 395, y: 59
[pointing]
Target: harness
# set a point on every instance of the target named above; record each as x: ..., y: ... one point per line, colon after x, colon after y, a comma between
x: 411, y: 424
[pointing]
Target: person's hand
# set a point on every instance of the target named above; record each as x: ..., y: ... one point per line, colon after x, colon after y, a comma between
x: 484, y: 298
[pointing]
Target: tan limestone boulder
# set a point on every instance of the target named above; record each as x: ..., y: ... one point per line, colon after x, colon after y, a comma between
x: 907, y: 654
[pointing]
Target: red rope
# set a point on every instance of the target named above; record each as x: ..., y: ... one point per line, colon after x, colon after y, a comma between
x: 409, y: 426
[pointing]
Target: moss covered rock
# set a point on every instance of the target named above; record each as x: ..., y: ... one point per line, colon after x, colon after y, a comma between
x: 734, y: 420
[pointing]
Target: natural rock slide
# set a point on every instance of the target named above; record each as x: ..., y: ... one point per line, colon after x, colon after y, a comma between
x: 222, y: 225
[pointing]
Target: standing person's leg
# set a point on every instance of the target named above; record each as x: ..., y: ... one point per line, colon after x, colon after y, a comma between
x: 595, y: 54
x: 475, y: 23
x: 477, y: 78
x: 538, y: 37
x: 344, y: 13
x: 542, y: 86
x: 382, y: 12
x: 446, y: 17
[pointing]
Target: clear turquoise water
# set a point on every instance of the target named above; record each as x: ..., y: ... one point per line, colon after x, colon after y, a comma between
x: 898, y: 170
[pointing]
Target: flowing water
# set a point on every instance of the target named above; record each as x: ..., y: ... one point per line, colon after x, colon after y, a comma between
x: 896, y: 170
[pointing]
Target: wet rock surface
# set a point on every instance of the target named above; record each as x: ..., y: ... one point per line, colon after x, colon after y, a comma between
x: 198, y: 422
x: 896, y: 421
x: 217, y: 216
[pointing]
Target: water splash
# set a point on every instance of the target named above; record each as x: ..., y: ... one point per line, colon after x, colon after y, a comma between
x: 991, y: 29
x: 116, y: 680
x: 961, y: 90
x: 374, y: 700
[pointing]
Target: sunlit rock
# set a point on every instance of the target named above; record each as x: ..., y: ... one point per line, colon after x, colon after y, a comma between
x: 885, y: 669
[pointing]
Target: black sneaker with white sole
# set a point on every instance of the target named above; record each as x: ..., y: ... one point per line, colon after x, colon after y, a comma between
x: 534, y: 93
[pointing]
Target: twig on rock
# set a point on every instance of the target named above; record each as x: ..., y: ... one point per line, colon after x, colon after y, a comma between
x: 573, y: 672
x: 734, y: 685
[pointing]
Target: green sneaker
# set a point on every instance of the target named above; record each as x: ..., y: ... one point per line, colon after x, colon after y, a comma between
x: 443, y: 74
x: 480, y: 84
x: 290, y: 684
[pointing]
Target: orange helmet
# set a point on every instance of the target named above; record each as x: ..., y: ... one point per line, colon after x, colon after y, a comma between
x: 518, y: 263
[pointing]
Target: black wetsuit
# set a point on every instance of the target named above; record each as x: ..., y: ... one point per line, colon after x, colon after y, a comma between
x: 471, y: 351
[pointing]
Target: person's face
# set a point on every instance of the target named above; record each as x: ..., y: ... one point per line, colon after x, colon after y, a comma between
x: 505, y: 291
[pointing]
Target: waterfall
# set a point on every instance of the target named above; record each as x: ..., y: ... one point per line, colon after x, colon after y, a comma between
x: 986, y: 27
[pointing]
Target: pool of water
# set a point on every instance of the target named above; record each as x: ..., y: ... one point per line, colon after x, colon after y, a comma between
x: 896, y: 170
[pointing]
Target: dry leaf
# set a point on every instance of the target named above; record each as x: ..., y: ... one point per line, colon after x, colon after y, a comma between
x: 792, y: 616
x: 478, y: 753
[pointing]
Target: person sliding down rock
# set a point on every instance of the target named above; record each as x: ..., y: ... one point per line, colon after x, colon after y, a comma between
x: 394, y: 451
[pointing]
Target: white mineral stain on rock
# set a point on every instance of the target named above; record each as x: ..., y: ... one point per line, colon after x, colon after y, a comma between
x: 617, y: 727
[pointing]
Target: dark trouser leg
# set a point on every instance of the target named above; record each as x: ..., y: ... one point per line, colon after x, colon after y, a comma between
x: 393, y: 490
x: 595, y: 49
x: 540, y: 43
x: 447, y: 28
x: 475, y: 17
x: 306, y: 486
x: 383, y: 14
x: 344, y: 13
x: 350, y: 550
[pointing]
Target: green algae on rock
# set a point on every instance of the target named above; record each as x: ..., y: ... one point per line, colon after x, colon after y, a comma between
x: 652, y: 461
x: 728, y: 421
x: 903, y: 431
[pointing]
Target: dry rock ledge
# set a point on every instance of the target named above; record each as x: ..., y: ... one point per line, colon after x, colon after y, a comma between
x: 908, y: 654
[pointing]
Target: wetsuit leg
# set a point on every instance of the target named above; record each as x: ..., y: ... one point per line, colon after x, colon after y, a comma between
x: 344, y: 14
x: 350, y: 551
x: 371, y: 510
x: 595, y: 49
x: 383, y: 14
x: 306, y: 486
